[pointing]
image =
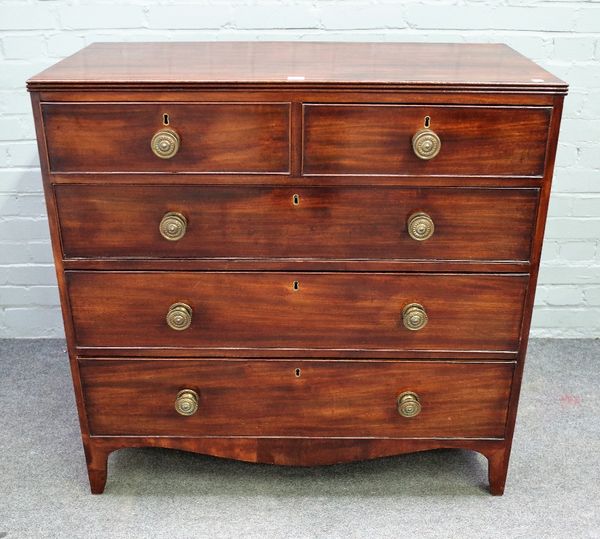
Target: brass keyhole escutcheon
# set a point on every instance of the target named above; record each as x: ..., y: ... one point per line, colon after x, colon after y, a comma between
x: 295, y: 286
x: 297, y: 373
x: 296, y: 200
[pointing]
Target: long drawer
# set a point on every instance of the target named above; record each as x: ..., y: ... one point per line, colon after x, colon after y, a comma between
x: 350, y: 223
x: 295, y: 398
x: 214, y: 137
x: 472, y: 140
x: 253, y: 310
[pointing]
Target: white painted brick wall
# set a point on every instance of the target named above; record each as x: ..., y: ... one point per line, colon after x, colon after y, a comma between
x: 563, y: 36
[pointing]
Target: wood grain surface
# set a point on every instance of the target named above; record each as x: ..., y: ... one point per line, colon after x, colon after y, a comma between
x: 262, y: 310
x: 225, y: 137
x: 273, y: 398
x: 357, y: 223
x: 376, y: 139
x: 416, y: 66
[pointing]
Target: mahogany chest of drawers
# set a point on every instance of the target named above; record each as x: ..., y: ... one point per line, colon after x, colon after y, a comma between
x: 297, y: 253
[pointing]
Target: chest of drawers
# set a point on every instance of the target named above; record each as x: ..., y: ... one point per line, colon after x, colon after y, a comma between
x: 297, y: 253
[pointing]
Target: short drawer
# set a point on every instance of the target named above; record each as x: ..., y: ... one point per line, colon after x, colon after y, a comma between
x: 253, y: 310
x: 213, y: 137
x: 295, y: 398
x: 377, y: 139
x: 344, y: 223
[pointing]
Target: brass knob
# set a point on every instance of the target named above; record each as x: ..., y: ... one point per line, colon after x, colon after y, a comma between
x: 186, y: 402
x: 179, y: 316
x: 173, y: 226
x: 414, y: 316
x: 420, y: 226
x: 426, y: 144
x: 409, y: 404
x: 165, y: 143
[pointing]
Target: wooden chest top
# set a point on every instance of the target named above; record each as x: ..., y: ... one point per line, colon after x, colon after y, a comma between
x: 411, y: 66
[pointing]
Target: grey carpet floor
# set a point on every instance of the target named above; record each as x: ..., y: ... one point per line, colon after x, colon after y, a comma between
x: 553, y: 487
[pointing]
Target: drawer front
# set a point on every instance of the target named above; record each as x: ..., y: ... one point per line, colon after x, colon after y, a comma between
x: 295, y: 398
x: 354, y: 311
x: 377, y: 139
x: 358, y: 223
x: 214, y: 137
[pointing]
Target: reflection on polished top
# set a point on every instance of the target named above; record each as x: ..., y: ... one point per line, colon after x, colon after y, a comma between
x: 410, y: 65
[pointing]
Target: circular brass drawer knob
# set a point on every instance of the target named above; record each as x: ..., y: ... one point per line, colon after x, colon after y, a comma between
x: 420, y: 226
x: 426, y: 144
x: 408, y: 404
x: 414, y: 316
x: 186, y: 402
x: 173, y: 226
x: 179, y: 316
x: 165, y: 143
